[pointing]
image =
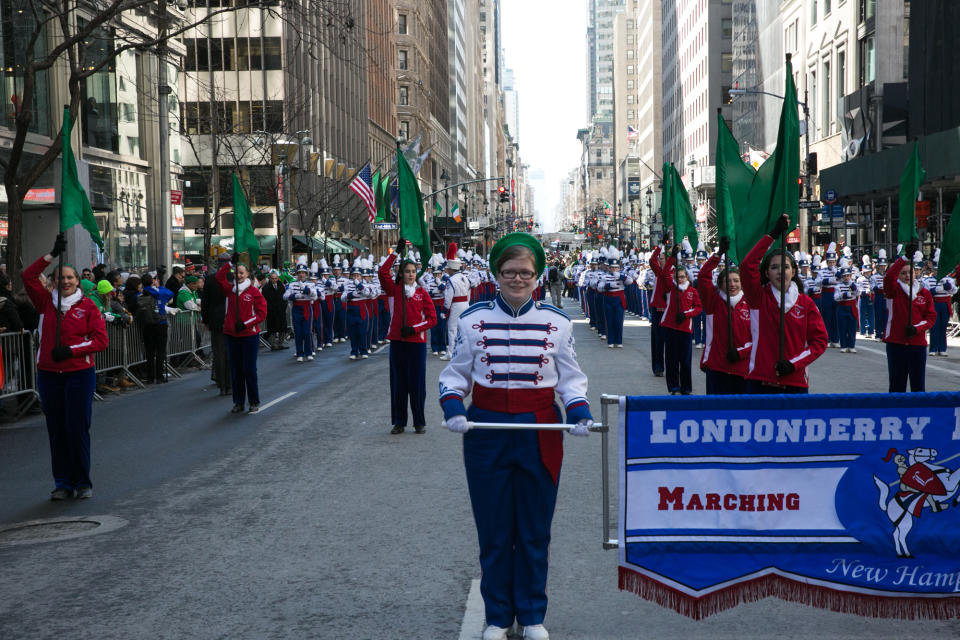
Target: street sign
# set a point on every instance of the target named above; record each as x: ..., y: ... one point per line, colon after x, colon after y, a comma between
x: 200, y: 231
x: 385, y: 226
x: 830, y: 197
x: 832, y: 211
x: 176, y: 196
x: 809, y: 204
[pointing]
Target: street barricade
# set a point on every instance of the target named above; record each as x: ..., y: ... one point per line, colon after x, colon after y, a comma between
x: 19, y: 370
x: 809, y: 498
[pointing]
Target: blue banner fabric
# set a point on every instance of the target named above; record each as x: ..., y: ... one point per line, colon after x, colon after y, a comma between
x: 845, y: 502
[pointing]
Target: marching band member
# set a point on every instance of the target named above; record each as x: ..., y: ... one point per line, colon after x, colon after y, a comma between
x: 371, y: 293
x: 611, y: 285
x: 658, y: 302
x: 828, y: 305
x: 302, y: 294
x: 804, y: 336
x: 943, y: 291
x: 876, y: 287
x: 682, y: 304
x: 383, y: 306
x: 329, y: 289
x: 456, y: 294
x: 339, y: 309
x: 724, y: 362
x: 438, y: 332
x: 866, y: 298
x: 846, y: 294
x: 356, y: 309
x: 413, y: 314
x: 910, y: 313
x: 512, y: 475
x: 316, y: 309
x: 601, y: 323
x: 246, y: 309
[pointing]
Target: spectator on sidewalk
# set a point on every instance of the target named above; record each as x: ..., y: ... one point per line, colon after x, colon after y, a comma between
x: 176, y: 279
x: 154, y: 322
x: 273, y: 292
x: 212, y: 311
x: 72, y: 333
x: 187, y: 299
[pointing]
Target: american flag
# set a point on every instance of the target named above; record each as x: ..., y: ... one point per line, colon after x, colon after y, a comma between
x: 632, y: 134
x: 362, y: 185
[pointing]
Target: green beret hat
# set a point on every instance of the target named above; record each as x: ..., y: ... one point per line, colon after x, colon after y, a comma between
x: 521, y: 238
x: 86, y: 286
x: 192, y: 279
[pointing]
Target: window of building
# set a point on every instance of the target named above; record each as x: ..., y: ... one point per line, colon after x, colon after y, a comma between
x: 813, y: 104
x: 402, y: 59
x: 631, y: 114
x: 405, y: 129
x: 813, y: 12
x: 404, y: 96
x: 827, y: 100
x: 630, y: 70
x: 868, y: 60
x: 100, y: 110
x: 631, y: 99
x: 726, y: 62
x: 630, y: 54
x: 841, y: 74
x: 629, y: 84
x: 726, y: 27
x: 599, y: 175
x: 402, y: 23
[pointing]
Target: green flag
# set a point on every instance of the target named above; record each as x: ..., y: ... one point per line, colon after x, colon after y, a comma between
x: 950, y: 247
x: 437, y: 208
x: 375, y: 185
x: 74, y: 206
x: 665, y: 197
x: 913, y: 176
x: 684, y: 222
x: 455, y: 212
x: 413, y: 226
x: 243, y: 239
x: 383, y: 203
x: 734, y: 177
x: 775, y: 189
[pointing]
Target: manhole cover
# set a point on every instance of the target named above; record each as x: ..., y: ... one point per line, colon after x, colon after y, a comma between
x: 36, y: 531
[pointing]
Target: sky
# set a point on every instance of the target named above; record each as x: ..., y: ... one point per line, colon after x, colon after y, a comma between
x: 544, y: 42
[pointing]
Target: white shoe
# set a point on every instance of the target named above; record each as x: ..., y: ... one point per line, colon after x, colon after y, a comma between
x: 444, y: 357
x: 610, y: 346
x: 699, y: 346
x: 353, y: 357
x: 618, y: 346
x: 851, y: 350
x: 443, y: 353
x: 436, y: 353
x: 495, y: 633
x: 943, y: 354
x: 310, y: 358
x: 536, y: 632
x: 364, y: 356
x: 300, y: 359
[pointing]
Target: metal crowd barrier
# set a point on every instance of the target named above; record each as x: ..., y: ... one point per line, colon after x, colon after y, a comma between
x: 19, y: 369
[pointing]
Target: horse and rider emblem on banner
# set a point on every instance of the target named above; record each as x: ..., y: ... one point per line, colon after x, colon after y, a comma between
x: 923, y: 484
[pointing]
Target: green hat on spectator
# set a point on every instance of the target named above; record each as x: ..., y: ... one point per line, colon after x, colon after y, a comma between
x: 86, y: 286
x: 104, y: 287
x: 192, y: 279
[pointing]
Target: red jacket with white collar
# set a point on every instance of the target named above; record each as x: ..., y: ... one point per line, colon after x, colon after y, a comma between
x: 659, y: 300
x: 420, y: 312
x: 714, y: 355
x: 805, y: 337
x: 81, y: 326
x: 253, y: 307
x: 923, y: 315
x: 689, y: 301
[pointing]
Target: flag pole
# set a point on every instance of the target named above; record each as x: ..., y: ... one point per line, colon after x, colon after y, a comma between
x: 60, y: 291
x: 731, y: 348
x: 783, y: 293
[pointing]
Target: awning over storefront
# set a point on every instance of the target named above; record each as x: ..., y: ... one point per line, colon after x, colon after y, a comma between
x: 336, y: 246
x: 880, y: 173
x: 356, y: 245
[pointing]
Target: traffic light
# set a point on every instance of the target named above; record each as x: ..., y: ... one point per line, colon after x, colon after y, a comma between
x: 812, y: 163
x: 800, y: 186
x: 504, y: 196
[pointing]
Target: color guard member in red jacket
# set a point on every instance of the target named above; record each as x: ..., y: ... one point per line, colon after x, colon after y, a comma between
x: 412, y: 313
x: 910, y: 313
x: 805, y: 336
x: 724, y: 362
x: 657, y: 304
x: 682, y: 304
x: 241, y: 326
x: 66, y: 372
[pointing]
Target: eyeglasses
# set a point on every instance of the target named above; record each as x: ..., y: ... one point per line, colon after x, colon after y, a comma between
x: 510, y: 274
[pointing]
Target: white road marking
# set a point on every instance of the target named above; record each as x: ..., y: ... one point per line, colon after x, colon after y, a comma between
x: 929, y: 366
x: 276, y: 400
x: 473, y: 618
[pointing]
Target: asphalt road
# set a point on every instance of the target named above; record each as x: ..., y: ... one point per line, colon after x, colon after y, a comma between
x: 308, y: 520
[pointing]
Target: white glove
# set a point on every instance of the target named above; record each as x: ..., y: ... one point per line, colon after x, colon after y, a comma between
x: 172, y: 311
x: 458, y: 424
x: 582, y: 428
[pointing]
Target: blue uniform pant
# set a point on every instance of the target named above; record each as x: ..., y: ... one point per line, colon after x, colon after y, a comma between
x: 866, y: 315
x: 829, y: 313
x: 243, y: 368
x: 339, y: 320
x: 327, y: 324
x: 906, y: 361
x: 613, y: 314
x: 657, y: 345
x: 356, y: 326
x: 318, y: 325
x: 678, y: 346
x: 846, y: 326
x: 699, y: 328
x: 938, y: 334
x: 879, y: 314
x: 373, y: 325
x: 67, y: 401
x: 438, y: 333
x: 598, y: 309
x: 513, y: 498
x: 384, y: 319
x: 302, y: 327
x: 592, y: 307
x: 408, y: 368
x: 724, y: 384
x: 645, y: 303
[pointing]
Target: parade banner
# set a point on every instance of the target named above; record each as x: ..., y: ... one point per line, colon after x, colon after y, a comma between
x: 844, y: 502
